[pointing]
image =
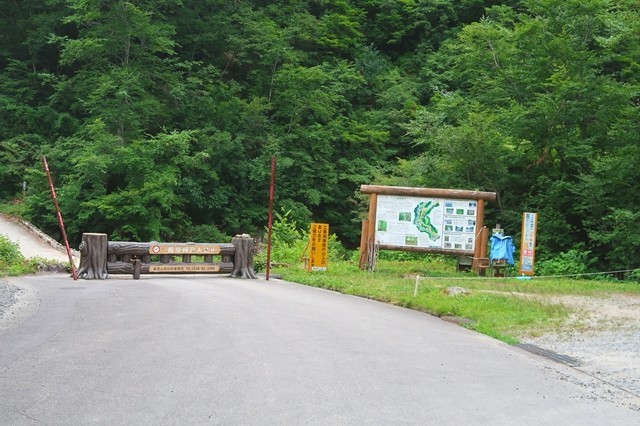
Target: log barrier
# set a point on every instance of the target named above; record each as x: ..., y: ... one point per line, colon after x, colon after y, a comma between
x: 100, y: 258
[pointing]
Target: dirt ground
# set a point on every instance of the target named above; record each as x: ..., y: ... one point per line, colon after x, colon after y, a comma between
x: 603, y: 334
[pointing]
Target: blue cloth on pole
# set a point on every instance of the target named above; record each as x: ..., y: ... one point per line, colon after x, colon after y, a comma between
x: 502, y: 248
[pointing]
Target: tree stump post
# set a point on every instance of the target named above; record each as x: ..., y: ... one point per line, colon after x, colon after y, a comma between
x: 93, y: 257
x: 243, y: 259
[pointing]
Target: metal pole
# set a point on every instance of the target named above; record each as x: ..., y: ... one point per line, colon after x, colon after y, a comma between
x: 270, y: 223
x: 60, y: 222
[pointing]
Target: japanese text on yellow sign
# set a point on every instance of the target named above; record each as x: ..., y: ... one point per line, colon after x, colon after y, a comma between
x: 319, y: 247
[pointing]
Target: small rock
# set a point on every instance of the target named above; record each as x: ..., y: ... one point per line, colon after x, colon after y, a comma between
x: 456, y: 291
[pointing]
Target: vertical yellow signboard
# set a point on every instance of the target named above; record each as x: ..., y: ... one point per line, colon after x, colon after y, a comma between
x: 319, y: 247
x: 528, y: 244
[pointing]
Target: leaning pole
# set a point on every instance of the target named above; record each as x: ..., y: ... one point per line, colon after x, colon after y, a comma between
x: 60, y: 222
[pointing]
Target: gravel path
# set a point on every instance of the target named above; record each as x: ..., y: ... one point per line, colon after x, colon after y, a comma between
x: 604, y: 335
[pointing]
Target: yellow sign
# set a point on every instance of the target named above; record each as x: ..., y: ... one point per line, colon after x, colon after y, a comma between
x: 168, y: 268
x: 183, y: 248
x: 319, y: 247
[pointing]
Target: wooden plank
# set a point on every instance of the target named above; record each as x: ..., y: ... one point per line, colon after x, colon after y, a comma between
x: 479, y: 241
x: 459, y: 194
x: 120, y: 248
x: 176, y: 268
x: 209, y: 268
x: 427, y: 250
x: 364, y: 237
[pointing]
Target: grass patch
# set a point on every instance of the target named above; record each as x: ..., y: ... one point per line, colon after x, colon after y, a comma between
x: 13, y: 264
x: 496, y: 307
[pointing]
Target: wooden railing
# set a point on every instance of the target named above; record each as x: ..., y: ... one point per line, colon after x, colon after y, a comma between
x: 101, y: 258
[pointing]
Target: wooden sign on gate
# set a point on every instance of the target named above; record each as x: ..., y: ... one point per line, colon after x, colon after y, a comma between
x: 169, y: 268
x: 183, y: 248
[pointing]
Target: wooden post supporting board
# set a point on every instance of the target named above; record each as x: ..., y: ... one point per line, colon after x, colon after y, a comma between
x: 369, y: 239
x: 364, y: 237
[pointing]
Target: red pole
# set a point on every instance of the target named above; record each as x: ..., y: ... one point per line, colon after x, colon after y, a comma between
x: 60, y: 222
x: 270, y: 223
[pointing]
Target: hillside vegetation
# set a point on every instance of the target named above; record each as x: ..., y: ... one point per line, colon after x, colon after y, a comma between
x: 159, y: 117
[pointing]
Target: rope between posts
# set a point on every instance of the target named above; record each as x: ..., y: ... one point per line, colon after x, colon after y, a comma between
x: 418, y: 277
x: 535, y: 277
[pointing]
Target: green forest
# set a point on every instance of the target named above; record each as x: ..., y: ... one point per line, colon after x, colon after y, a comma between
x: 159, y: 118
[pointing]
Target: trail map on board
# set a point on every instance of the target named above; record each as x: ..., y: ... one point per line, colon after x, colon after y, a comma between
x: 426, y: 222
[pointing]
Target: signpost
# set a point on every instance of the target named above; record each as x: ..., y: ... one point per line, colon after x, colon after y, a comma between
x: 528, y: 244
x: 270, y: 219
x: 319, y: 247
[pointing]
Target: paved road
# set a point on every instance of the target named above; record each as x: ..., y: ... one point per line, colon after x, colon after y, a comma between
x: 194, y: 350
x: 31, y: 245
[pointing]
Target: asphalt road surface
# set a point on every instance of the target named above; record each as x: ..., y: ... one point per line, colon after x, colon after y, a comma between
x: 205, y: 350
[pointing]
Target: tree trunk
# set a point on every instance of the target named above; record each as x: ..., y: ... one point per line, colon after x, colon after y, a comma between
x: 93, y: 257
x: 243, y: 261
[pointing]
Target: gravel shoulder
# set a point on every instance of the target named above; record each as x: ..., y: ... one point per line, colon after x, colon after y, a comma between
x: 18, y: 301
x: 603, y: 334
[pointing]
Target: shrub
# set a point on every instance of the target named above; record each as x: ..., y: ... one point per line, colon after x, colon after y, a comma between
x: 9, y: 254
x: 13, y: 263
x: 574, y: 261
x: 289, y: 245
x: 206, y: 234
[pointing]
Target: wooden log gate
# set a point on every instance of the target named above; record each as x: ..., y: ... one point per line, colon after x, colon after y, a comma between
x: 100, y: 257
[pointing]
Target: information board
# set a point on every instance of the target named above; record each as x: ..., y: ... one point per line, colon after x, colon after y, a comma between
x: 431, y: 223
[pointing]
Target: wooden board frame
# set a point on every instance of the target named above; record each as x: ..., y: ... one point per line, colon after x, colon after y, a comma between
x: 479, y: 252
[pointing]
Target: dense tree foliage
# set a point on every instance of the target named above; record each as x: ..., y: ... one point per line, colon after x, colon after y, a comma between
x: 159, y: 117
